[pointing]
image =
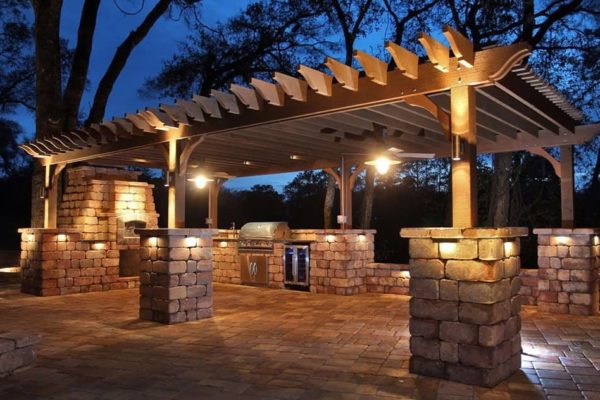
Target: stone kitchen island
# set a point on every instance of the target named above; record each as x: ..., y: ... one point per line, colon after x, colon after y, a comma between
x: 339, y: 259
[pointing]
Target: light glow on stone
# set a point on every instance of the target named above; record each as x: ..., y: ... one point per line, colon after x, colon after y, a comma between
x: 153, y: 241
x: 448, y: 247
x: 61, y: 238
x: 223, y: 244
x: 563, y: 239
x: 191, y: 241
x: 98, y: 246
x: 362, y: 238
x: 508, y: 248
x: 330, y: 238
x: 31, y: 237
x: 596, y: 240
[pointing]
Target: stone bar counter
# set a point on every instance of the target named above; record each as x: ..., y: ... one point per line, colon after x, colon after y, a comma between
x: 465, y: 309
x: 175, y: 274
x: 339, y: 259
x: 569, y: 262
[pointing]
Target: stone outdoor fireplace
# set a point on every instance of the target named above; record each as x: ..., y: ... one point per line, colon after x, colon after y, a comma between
x: 94, y: 246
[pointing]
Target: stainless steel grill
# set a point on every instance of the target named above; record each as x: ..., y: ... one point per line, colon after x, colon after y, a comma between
x: 259, y: 236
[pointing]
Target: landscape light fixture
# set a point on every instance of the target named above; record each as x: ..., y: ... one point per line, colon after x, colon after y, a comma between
x: 382, y: 164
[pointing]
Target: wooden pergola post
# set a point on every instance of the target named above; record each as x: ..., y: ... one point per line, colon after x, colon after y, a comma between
x: 177, y: 181
x: 464, y: 171
x: 51, y: 176
x: 213, y: 202
x: 345, y: 195
x: 566, y: 187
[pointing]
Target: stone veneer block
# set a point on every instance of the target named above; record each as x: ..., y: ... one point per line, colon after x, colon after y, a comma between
x: 176, y: 274
x: 568, y: 262
x: 465, y: 323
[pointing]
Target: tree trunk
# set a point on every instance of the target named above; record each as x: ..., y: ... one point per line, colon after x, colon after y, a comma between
x: 366, y: 209
x: 500, y: 191
x: 328, y: 204
x: 47, y: 92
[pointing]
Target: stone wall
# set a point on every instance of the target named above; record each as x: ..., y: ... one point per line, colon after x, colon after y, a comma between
x: 569, y: 261
x: 387, y: 278
x: 57, y: 261
x: 16, y: 352
x: 338, y: 259
x: 465, y: 311
x: 529, y: 286
x: 176, y: 274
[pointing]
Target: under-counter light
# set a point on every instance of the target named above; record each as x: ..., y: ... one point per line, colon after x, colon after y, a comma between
x: 362, y: 238
x: 562, y: 239
x: 191, y: 241
x: 222, y: 243
x: 448, y: 247
x: 31, y: 237
x: 330, y: 238
x: 61, y: 238
x: 152, y: 241
x: 98, y: 246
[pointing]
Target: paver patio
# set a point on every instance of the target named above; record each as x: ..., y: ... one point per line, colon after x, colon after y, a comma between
x: 270, y: 344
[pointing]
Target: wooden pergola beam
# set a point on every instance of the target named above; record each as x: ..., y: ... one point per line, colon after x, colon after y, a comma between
x: 490, y: 64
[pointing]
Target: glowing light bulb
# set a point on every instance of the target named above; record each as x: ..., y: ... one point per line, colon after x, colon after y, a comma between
x: 382, y: 165
x: 200, y: 182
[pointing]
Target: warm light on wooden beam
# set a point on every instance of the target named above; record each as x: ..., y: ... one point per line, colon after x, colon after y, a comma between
x: 172, y: 167
x: 343, y: 73
x: 406, y: 61
x: 271, y: 92
x: 318, y: 81
x: 438, y: 54
x: 461, y: 46
x: 464, y: 178
x: 295, y: 88
x: 373, y: 66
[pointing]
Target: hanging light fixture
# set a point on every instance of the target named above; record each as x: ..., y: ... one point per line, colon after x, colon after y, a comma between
x: 201, y: 181
x: 457, y: 148
x: 382, y: 164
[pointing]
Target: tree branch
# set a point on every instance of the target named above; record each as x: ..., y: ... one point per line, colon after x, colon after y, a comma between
x: 81, y: 62
x: 120, y: 59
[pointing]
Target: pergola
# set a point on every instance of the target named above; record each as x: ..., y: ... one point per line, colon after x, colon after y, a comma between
x: 464, y: 281
x: 484, y: 101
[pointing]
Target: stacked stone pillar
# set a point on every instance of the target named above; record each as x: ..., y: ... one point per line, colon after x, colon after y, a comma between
x: 176, y: 274
x: 568, y: 261
x: 465, y: 310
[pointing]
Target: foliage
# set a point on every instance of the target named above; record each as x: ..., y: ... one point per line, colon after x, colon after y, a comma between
x: 254, y: 43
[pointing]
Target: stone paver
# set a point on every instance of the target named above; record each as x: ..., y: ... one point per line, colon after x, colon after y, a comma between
x: 270, y: 344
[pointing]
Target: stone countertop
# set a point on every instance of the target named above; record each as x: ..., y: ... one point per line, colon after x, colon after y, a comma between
x: 463, y: 233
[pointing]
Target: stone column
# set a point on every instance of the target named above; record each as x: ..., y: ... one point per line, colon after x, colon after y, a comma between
x: 176, y: 274
x: 568, y: 261
x: 464, y: 311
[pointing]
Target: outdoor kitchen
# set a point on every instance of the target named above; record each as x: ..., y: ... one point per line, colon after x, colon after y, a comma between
x: 270, y: 254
